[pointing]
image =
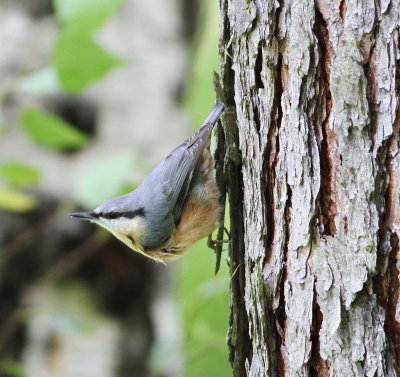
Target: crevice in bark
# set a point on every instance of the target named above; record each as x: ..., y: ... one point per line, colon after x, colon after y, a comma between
x: 392, y: 327
x: 280, y: 314
x: 268, y: 184
x: 279, y: 336
x: 343, y: 10
x: 238, y: 340
x: 271, y: 159
x: 326, y: 202
x: 258, y: 67
x: 387, y: 291
x: 389, y: 285
x: 256, y: 116
x: 367, y: 48
x: 227, y: 73
x: 318, y: 366
x: 387, y: 282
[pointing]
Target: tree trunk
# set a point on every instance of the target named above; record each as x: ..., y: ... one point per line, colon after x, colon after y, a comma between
x: 312, y: 90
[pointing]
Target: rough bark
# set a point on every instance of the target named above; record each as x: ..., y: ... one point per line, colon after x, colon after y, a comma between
x: 315, y: 88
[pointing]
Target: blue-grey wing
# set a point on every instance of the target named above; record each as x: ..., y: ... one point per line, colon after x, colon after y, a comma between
x: 172, y: 179
x: 166, y: 190
x: 183, y: 162
x: 186, y: 169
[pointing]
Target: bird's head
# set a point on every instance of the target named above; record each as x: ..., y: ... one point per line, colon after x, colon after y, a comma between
x: 121, y: 217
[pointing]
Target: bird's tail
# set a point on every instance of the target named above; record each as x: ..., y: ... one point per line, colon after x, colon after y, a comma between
x: 215, y: 113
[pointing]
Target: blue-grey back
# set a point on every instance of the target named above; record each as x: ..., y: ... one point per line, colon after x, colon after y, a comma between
x: 166, y: 189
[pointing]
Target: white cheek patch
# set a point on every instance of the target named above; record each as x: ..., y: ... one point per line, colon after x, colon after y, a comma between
x: 124, y: 227
x: 129, y: 231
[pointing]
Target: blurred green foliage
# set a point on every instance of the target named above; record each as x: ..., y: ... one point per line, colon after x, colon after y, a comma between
x: 78, y: 59
x: 12, y: 368
x: 50, y: 131
x: 13, y: 200
x: 94, y: 62
x: 19, y: 174
x: 77, y: 62
x: 85, y: 15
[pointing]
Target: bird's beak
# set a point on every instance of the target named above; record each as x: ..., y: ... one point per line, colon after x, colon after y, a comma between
x: 82, y: 215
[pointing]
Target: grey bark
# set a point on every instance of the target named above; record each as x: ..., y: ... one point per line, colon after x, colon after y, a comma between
x: 315, y: 89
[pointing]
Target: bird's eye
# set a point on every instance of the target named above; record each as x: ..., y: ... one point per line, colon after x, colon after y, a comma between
x: 111, y: 215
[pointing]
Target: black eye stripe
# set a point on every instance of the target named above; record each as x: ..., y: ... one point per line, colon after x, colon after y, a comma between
x: 117, y: 215
x: 111, y: 215
x: 132, y: 214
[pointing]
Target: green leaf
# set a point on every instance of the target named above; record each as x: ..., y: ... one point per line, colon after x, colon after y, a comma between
x: 79, y: 60
x: 20, y: 174
x: 50, y: 131
x: 11, y: 200
x: 13, y: 368
x: 90, y: 14
x: 103, y: 180
x: 43, y: 82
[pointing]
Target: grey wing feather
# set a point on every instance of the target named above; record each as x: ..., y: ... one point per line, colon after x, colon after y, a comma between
x: 175, y: 174
x: 188, y: 161
x: 187, y: 156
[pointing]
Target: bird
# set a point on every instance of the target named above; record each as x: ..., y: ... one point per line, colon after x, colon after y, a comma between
x: 176, y: 205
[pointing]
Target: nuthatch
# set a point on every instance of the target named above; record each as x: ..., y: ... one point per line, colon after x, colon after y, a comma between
x: 175, y: 206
